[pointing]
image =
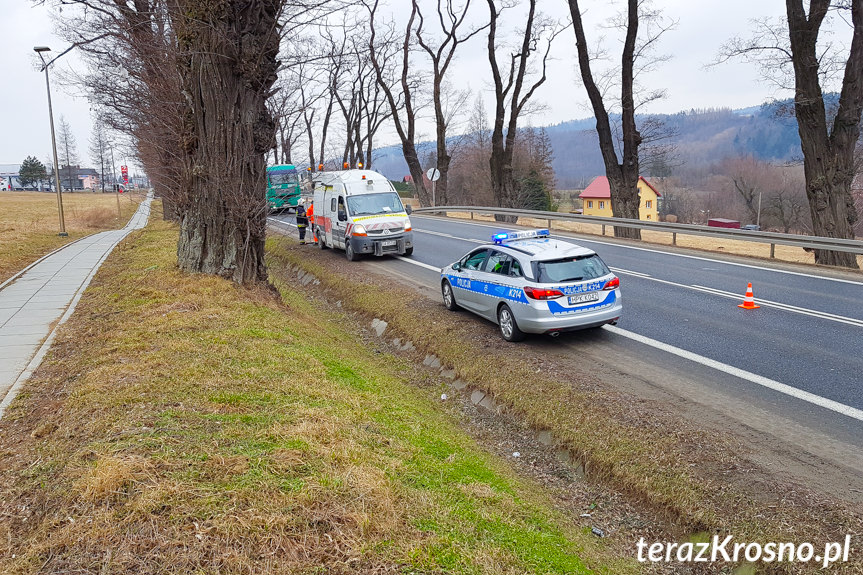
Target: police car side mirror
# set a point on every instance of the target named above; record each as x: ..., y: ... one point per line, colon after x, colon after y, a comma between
x: 456, y: 266
x: 408, y: 209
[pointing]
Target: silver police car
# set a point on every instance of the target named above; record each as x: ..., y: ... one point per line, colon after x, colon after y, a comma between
x: 527, y: 282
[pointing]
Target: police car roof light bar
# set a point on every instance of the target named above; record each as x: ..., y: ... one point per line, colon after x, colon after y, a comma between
x: 523, y: 235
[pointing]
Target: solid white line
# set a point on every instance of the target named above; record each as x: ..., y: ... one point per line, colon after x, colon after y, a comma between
x: 443, y: 235
x: 742, y: 374
x: 416, y: 263
x: 766, y: 303
x: 786, y: 307
x: 656, y: 251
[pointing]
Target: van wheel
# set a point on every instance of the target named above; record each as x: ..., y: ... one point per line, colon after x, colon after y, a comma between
x: 321, y: 244
x: 508, y: 328
x: 349, y: 252
x: 409, y: 252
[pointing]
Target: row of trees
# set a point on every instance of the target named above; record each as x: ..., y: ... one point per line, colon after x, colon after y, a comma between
x: 206, y: 100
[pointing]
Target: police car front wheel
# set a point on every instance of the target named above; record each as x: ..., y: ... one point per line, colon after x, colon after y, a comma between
x: 508, y: 327
x: 448, y: 296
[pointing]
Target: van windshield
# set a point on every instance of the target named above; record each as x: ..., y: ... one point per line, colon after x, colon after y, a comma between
x: 580, y: 268
x: 372, y: 204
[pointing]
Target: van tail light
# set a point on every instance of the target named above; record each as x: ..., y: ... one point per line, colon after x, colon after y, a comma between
x: 542, y: 293
x: 613, y: 283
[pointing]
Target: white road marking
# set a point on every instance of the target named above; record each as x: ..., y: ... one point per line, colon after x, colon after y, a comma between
x: 416, y: 263
x: 656, y: 251
x: 786, y: 307
x: 841, y: 408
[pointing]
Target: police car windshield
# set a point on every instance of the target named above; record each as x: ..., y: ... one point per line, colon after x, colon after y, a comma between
x: 580, y: 268
x: 373, y: 204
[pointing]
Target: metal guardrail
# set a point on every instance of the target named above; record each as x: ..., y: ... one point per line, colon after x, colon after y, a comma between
x: 772, y: 238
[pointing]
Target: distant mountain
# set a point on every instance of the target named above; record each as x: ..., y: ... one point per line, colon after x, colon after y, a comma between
x: 700, y: 139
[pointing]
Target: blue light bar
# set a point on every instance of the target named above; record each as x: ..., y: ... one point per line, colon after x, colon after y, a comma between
x: 523, y: 235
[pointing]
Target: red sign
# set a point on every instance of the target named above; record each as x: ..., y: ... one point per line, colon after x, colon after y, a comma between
x: 125, y: 171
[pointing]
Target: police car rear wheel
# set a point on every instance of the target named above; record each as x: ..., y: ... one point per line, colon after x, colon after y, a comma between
x: 508, y: 327
x: 448, y: 296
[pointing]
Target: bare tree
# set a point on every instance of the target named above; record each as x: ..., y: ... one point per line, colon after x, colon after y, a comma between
x: 623, y: 171
x: 441, y: 54
x: 68, y: 152
x: 99, y: 149
x: 513, y: 89
x: 390, y: 56
x: 828, y: 146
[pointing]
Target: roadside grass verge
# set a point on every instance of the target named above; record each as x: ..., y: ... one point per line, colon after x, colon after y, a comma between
x: 182, y: 424
x: 692, y: 480
x: 30, y: 221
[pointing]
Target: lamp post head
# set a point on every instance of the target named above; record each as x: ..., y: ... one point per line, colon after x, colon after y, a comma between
x: 41, y: 49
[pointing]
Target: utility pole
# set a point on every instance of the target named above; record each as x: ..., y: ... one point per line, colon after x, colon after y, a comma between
x: 39, y: 50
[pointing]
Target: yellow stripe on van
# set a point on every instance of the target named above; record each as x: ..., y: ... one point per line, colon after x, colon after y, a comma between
x: 398, y: 215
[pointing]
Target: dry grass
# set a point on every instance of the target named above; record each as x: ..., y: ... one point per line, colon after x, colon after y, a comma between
x: 182, y: 424
x: 736, y: 247
x: 692, y: 478
x: 29, y: 222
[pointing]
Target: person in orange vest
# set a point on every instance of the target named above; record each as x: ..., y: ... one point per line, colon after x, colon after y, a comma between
x: 310, y: 213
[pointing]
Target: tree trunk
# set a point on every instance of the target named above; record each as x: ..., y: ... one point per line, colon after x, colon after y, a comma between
x: 828, y: 159
x: 622, y: 176
x: 229, y: 65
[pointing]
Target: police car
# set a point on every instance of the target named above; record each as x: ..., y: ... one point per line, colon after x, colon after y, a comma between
x: 527, y: 282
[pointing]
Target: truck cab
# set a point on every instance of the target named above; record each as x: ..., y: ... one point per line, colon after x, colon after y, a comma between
x: 360, y: 212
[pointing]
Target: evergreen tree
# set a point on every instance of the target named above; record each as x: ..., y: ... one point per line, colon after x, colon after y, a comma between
x: 32, y: 172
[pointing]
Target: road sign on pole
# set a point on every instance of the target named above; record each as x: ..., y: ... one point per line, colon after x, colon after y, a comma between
x: 433, y: 174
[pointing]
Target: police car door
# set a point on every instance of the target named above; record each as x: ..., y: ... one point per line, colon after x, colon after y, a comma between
x: 465, y: 285
x: 491, y: 285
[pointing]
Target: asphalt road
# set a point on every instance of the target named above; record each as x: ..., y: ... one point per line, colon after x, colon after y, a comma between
x: 793, y: 367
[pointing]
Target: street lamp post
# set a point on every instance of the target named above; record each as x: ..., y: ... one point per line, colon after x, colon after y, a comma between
x: 39, y: 50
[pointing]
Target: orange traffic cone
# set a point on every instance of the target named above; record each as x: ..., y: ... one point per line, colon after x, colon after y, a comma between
x: 749, y: 300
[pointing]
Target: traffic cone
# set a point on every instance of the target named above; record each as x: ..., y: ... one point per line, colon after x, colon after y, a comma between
x: 749, y: 300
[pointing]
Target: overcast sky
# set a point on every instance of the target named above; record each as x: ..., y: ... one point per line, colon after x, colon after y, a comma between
x: 703, y: 26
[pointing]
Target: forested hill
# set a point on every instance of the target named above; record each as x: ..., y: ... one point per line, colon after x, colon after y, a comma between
x: 700, y: 139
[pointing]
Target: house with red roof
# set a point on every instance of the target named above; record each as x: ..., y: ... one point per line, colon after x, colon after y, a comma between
x: 597, y: 199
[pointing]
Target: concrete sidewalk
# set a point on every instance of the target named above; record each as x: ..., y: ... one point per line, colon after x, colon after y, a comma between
x: 35, y: 302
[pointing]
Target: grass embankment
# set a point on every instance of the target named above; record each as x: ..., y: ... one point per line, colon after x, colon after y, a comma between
x: 184, y: 425
x: 693, y: 480
x: 30, y: 221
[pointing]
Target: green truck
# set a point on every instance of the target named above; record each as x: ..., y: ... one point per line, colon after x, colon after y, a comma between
x: 283, y: 187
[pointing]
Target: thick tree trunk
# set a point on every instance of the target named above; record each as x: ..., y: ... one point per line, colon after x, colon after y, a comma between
x: 828, y: 159
x: 228, y: 66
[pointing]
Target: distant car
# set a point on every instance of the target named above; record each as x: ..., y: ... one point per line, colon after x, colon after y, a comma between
x: 527, y: 282
x: 752, y: 227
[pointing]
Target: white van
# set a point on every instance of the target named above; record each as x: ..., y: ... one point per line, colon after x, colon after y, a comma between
x: 360, y: 212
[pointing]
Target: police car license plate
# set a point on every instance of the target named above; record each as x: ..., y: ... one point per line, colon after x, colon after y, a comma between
x: 389, y: 243
x: 583, y: 298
